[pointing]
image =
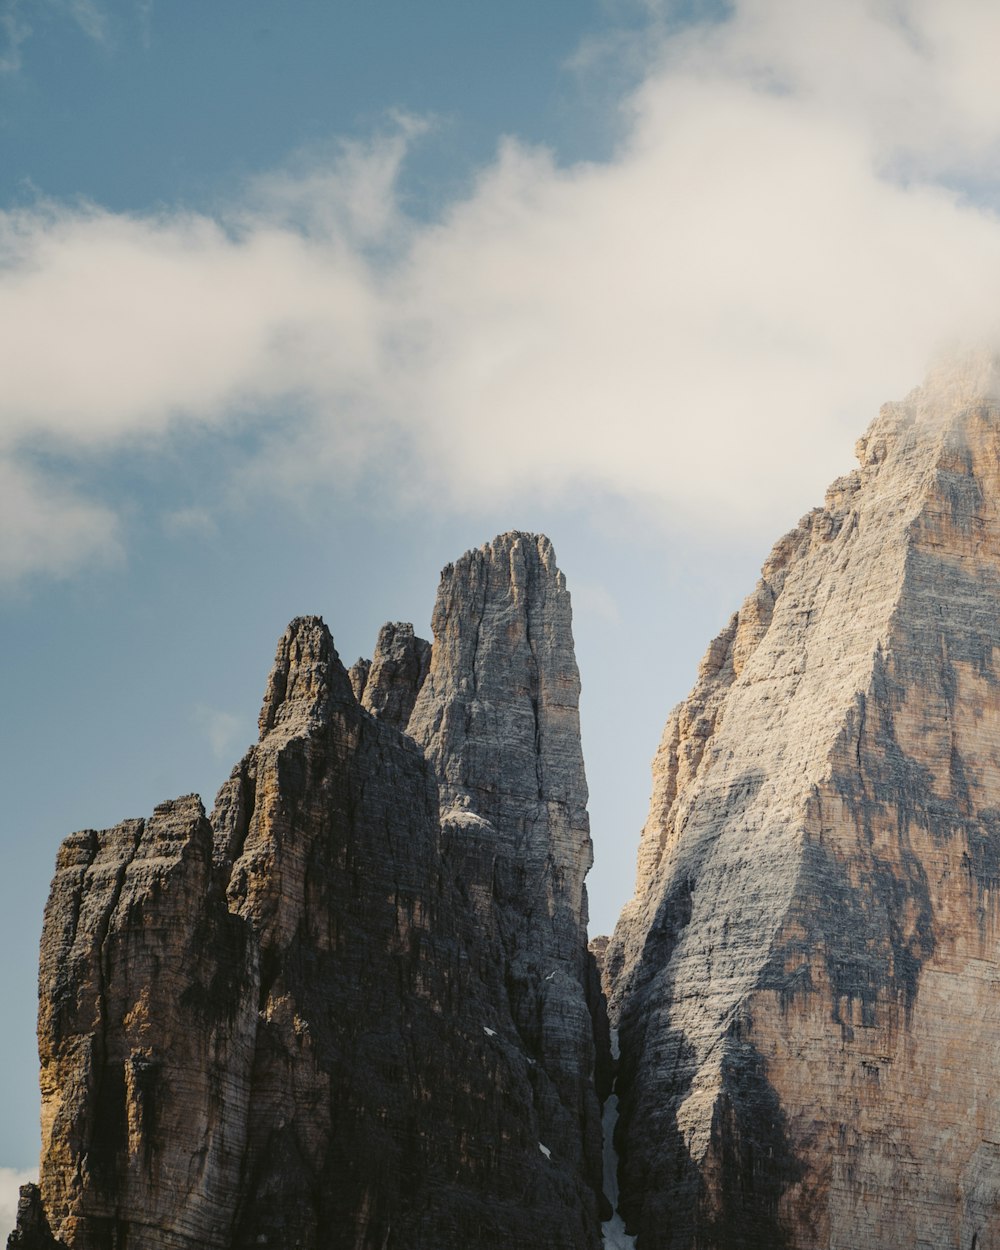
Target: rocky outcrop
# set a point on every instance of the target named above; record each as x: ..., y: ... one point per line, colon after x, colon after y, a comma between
x: 146, y: 1007
x: 32, y: 1231
x: 357, y: 675
x: 498, y: 718
x: 397, y: 673
x: 807, y: 980
x: 299, y: 1023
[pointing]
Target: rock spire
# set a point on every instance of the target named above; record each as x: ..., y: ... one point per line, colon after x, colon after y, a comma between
x: 316, y: 1020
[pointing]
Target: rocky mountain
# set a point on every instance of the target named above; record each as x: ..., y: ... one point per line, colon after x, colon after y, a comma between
x: 807, y: 982
x: 353, y: 1008
x: 356, y: 1007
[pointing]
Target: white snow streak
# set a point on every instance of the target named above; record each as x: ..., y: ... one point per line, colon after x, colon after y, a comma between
x: 615, y: 1236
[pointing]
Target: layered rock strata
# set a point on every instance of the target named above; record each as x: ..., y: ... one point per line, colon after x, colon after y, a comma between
x: 498, y: 718
x: 807, y: 982
x: 294, y: 1025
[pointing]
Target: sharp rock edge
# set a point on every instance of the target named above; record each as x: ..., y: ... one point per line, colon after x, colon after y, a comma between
x: 346, y: 1010
x: 806, y: 983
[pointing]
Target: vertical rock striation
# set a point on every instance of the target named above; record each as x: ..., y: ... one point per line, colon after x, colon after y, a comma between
x: 397, y: 672
x: 807, y: 980
x: 293, y: 1026
x: 498, y: 718
x: 146, y: 1027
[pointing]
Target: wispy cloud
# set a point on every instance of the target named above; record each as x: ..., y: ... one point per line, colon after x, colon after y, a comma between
x: 47, y: 528
x: 91, y: 17
x: 799, y: 215
x: 14, y: 30
x: 188, y: 521
x: 144, y: 19
x: 225, y: 731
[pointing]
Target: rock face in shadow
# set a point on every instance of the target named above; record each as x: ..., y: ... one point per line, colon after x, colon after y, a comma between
x: 807, y: 980
x: 397, y: 672
x: 315, y: 1021
x: 498, y: 718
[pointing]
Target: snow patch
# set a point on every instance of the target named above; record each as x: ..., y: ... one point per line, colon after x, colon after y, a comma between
x: 613, y: 1230
x: 545, y: 1150
x: 489, y: 1032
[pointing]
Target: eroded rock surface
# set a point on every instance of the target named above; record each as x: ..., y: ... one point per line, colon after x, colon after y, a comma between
x: 293, y: 1026
x: 498, y: 718
x: 397, y: 673
x: 807, y: 981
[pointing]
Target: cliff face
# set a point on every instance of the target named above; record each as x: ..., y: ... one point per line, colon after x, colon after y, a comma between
x: 807, y: 981
x: 293, y: 1025
x: 498, y: 718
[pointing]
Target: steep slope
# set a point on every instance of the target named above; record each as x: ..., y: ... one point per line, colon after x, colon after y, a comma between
x: 807, y: 980
x: 498, y: 718
x: 290, y: 1026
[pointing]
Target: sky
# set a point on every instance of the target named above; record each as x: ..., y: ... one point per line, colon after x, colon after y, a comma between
x: 299, y: 302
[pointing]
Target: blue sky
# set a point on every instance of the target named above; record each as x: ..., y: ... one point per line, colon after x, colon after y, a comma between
x: 298, y: 302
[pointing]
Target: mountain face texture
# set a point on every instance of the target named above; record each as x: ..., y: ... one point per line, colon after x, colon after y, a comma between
x: 807, y: 981
x: 353, y: 1008
x: 498, y: 719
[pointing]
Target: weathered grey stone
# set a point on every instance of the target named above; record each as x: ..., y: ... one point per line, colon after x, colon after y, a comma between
x: 807, y: 980
x: 498, y: 718
x: 32, y: 1231
x: 295, y: 1026
x: 398, y: 669
x: 146, y: 1026
x: 357, y: 674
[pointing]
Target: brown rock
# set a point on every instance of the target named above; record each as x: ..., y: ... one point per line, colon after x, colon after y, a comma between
x: 807, y: 979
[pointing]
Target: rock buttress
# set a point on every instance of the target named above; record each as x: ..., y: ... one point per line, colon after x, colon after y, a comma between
x: 147, y: 1022
x: 290, y: 1027
x: 392, y: 1102
x: 498, y: 718
x: 807, y: 981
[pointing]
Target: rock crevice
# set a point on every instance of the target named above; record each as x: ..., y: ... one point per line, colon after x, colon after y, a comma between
x: 295, y: 1025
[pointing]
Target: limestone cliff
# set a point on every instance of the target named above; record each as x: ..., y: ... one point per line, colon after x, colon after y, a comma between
x: 498, y: 717
x: 807, y: 981
x: 294, y: 1025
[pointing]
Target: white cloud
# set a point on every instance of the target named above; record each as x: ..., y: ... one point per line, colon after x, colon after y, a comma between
x: 181, y: 522
x: 14, y: 30
x: 47, y: 528
x: 90, y: 17
x: 226, y: 732
x: 10, y: 1182
x: 700, y: 324
x: 596, y: 601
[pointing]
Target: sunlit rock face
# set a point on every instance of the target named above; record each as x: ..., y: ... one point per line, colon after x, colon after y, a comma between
x: 317, y: 1020
x: 807, y: 981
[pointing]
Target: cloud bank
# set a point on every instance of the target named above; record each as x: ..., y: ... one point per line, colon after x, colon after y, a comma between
x: 800, y: 215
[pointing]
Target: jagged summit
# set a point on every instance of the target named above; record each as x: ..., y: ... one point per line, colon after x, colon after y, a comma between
x: 306, y: 676
x: 356, y: 1007
x: 806, y: 975
x: 328, y: 1017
